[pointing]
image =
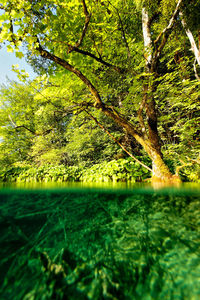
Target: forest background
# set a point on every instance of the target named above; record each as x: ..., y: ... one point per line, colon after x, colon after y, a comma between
x: 117, y: 93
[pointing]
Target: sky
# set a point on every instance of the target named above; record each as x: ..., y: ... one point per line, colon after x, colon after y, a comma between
x: 8, y: 59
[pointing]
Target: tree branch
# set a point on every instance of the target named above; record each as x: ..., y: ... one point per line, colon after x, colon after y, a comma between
x: 182, y: 166
x: 147, y: 37
x: 11, y: 120
x: 107, y: 110
x: 195, y: 70
x: 122, y: 30
x: 87, y: 53
x: 166, y: 31
x: 116, y: 141
x: 87, y: 20
x: 195, y: 161
x: 20, y: 126
x: 186, y: 164
x: 190, y: 36
x: 47, y: 55
x: 99, y: 59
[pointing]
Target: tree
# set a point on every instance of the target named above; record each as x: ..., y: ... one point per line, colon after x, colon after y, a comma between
x: 117, y: 50
x: 37, y: 129
x: 191, y: 22
x: 17, y: 123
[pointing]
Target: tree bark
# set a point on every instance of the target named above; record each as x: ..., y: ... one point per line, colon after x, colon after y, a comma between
x: 160, y: 171
x: 193, y: 44
x: 149, y: 88
x: 152, y: 146
x: 190, y: 36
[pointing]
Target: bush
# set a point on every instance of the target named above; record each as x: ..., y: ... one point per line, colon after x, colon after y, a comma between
x: 115, y: 170
x: 41, y: 174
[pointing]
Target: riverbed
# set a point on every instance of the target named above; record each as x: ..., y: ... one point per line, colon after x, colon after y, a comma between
x: 85, y: 242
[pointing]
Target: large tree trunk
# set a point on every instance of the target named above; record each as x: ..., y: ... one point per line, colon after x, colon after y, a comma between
x: 160, y: 171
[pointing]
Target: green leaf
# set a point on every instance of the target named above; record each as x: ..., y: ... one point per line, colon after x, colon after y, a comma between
x: 19, y: 54
x: 10, y: 49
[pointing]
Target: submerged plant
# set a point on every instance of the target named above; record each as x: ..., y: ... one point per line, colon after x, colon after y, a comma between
x: 83, y: 244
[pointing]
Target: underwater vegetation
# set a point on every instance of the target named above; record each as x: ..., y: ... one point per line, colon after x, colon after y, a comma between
x: 99, y: 244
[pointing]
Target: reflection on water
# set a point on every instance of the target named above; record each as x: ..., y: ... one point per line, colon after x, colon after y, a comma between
x: 141, y: 187
x: 73, y: 243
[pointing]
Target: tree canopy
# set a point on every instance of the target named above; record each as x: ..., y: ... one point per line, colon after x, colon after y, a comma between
x: 127, y: 67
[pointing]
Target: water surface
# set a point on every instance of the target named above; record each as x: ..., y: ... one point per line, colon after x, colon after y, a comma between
x: 100, y: 243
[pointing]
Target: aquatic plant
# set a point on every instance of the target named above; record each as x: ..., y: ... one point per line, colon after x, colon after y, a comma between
x: 83, y: 244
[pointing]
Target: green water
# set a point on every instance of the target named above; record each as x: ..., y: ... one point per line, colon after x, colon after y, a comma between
x: 98, y: 243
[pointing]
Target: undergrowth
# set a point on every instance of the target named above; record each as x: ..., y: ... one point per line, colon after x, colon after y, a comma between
x: 111, y: 171
x: 115, y: 170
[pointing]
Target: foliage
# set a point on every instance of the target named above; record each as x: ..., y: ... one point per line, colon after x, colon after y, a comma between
x: 41, y: 174
x: 115, y: 170
x: 88, y: 144
x: 16, y: 110
x: 93, y: 58
x: 50, y: 135
x: 191, y: 173
x: 121, y: 170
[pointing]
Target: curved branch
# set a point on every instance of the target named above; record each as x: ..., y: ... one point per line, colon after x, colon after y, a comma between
x: 46, y: 54
x: 87, y: 53
x: 182, y: 166
x: 190, y: 36
x: 166, y: 31
x: 186, y: 164
x: 107, y: 110
x: 122, y: 30
x: 171, y: 22
x: 99, y: 59
x: 116, y: 141
x: 87, y: 20
x: 20, y: 126
x: 195, y: 70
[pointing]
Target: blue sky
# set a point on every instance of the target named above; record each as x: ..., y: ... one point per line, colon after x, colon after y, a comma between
x: 8, y: 59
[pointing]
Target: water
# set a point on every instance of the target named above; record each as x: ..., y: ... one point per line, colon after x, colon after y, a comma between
x: 100, y: 243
